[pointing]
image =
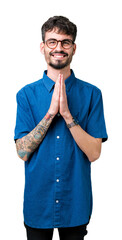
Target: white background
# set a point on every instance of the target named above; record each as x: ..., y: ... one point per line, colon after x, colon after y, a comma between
x: 98, y: 60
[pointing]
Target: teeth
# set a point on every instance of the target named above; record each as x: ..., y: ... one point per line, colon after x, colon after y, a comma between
x: 58, y: 56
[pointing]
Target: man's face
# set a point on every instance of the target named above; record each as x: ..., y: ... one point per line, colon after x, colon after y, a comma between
x: 57, y: 57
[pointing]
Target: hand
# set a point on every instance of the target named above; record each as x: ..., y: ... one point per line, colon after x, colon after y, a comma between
x: 54, y: 106
x: 63, y: 107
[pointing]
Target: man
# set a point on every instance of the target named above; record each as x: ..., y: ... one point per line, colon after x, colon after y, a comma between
x: 59, y: 130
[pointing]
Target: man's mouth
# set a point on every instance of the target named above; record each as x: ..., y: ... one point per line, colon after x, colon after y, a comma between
x: 59, y: 55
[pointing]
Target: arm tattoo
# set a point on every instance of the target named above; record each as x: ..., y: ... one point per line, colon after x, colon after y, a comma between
x: 28, y: 144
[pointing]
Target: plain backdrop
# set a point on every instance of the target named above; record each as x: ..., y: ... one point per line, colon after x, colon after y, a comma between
x: 98, y: 60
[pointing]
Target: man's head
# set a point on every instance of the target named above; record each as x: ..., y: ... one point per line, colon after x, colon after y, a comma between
x: 58, y: 35
x: 61, y: 24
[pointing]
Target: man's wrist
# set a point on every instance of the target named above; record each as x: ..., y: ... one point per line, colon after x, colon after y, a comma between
x: 73, y: 123
x: 68, y: 118
x: 49, y: 116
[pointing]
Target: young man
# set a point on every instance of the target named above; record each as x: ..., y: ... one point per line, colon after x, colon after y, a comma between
x: 59, y: 130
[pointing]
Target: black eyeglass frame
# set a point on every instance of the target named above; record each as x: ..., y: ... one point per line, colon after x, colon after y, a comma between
x: 57, y: 41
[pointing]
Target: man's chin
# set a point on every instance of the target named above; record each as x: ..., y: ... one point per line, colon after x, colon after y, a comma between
x: 58, y: 66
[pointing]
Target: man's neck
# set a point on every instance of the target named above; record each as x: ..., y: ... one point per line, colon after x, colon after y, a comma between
x: 53, y: 73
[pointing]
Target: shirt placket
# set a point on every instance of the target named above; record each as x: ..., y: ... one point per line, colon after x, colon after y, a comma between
x: 57, y: 194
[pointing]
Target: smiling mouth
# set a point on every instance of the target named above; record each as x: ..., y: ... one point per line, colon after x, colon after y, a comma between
x: 59, y: 55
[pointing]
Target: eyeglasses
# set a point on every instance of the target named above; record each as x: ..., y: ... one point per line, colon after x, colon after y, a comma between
x: 52, y: 43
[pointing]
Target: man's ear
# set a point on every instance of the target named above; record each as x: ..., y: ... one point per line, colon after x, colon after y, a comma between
x: 42, y: 47
x: 74, y: 48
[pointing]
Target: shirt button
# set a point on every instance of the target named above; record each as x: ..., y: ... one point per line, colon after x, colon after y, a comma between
x: 58, y: 137
x: 58, y: 114
x: 57, y: 158
x: 57, y: 201
x: 57, y: 180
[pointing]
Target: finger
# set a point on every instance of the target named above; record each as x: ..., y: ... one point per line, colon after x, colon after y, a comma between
x: 63, y: 88
x: 57, y: 85
x: 57, y: 82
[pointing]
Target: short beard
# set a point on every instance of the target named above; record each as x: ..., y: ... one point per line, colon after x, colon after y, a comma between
x: 59, y: 66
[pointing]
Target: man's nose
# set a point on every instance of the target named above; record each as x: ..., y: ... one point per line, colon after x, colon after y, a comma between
x: 59, y: 46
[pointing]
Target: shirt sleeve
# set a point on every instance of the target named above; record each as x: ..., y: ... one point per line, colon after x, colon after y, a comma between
x: 23, y: 117
x: 96, y: 126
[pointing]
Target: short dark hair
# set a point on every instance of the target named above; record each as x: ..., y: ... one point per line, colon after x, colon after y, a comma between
x: 62, y: 24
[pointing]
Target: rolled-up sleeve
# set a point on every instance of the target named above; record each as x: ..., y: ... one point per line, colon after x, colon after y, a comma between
x: 96, y: 126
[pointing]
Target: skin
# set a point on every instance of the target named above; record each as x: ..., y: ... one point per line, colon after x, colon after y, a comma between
x: 28, y: 144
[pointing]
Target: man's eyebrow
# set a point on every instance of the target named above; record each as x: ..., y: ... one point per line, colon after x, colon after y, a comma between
x: 65, y: 39
x: 52, y: 39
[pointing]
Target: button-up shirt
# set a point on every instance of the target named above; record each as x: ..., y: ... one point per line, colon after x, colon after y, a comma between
x: 58, y: 191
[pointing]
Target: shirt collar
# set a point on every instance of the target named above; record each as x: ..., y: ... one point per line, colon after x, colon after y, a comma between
x: 49, y: 83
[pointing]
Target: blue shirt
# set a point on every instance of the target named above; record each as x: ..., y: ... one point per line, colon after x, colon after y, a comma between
x: 58, y: 190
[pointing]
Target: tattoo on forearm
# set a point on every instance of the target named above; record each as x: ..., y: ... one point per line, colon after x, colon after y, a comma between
x: 28, y: 144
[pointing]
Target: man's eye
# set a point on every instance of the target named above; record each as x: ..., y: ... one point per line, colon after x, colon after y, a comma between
x: 52, y: 42
x: 66, y: 43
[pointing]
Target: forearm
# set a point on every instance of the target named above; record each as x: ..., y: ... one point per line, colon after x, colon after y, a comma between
x: 29, y: 143
x: 89, y: 145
